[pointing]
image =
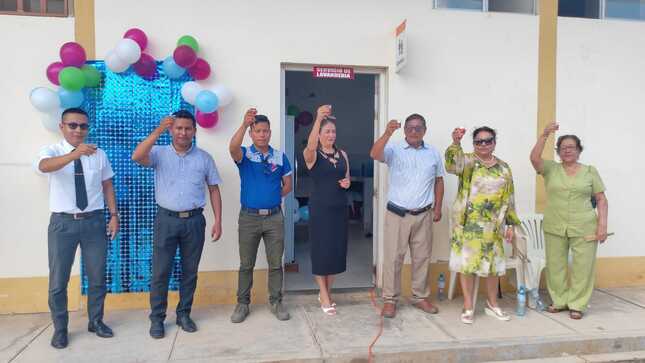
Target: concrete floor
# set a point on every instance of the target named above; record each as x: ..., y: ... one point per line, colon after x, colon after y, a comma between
x: 615, y: 323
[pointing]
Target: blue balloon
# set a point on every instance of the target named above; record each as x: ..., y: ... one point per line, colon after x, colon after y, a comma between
x: 304, y: 213
x: 171, y: 69
x: 69, y: 99
x: 206, y: 101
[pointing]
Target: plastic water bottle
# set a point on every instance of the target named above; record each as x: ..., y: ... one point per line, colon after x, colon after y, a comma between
x: 521, y: 301
x: 442, y: 285
x: 537, y: 302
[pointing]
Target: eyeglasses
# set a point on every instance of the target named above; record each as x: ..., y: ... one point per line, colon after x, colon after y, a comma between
x: 481, y: 142
x: 414, y: 128
x: 74, y: 125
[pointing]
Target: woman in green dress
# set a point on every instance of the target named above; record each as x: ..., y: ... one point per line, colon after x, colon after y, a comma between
x: 482, y: 217
x: 570, y: 223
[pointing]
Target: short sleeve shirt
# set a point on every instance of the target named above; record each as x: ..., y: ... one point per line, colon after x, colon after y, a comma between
x: 181, y: 179
x: 569, y: 211
x: 261, y: 177
x: 412, y: 173
x: 62, y: 187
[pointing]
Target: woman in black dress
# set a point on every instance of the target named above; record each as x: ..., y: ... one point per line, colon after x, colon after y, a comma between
x: 329, y: 170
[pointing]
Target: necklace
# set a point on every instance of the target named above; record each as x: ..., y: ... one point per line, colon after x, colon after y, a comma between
x: 490, y: 162
x: 332, y: 158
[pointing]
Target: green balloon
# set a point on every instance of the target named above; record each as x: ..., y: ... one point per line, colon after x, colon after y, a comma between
x: 189, y: 41
x: 92, y: 76
x: 293, y: 110
x: 71, y: 78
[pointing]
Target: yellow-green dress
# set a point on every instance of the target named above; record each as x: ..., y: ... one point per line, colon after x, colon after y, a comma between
x: 485, y: 203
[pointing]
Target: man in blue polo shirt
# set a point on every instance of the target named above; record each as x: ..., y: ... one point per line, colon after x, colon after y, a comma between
x: 265, y: 176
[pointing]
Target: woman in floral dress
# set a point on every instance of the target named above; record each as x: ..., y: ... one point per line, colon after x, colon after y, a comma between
x: 482, y: 217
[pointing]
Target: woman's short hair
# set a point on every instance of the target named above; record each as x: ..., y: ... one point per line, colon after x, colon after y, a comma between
x: 575, y: 138
x: 484, y: 129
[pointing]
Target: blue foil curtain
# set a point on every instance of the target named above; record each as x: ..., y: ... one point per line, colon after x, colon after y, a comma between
x: 123, y: 110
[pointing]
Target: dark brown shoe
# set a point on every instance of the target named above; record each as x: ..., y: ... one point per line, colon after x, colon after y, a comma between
x: 426, y: 307
x: 389, y: 310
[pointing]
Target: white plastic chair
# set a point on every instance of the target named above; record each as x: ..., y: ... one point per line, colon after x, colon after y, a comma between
x: 531, y: 225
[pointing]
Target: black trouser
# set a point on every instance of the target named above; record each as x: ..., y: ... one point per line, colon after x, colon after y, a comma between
x: 171, y: 232
x: 64, y: 234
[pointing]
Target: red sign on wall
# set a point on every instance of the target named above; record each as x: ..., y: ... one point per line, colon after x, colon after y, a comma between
x: 333, y: 72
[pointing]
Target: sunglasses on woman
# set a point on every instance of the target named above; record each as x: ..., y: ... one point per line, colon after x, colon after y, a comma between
x: 74, y: 125
x: 482, y: 142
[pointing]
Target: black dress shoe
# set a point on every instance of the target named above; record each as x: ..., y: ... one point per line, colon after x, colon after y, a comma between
x: 59, y: 340
x: 157, y: 330
x: 100, y: 329
x: 187, y: 324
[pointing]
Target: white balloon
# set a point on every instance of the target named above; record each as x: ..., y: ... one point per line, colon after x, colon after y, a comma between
x: 51, y: 120
x: 224, y: 95
x: 189, y: 91
x: 128, y: 50
x: 115, y: 63
x: 44, y: 99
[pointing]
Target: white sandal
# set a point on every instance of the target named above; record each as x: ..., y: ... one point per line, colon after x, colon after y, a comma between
x: 333, y: 304
x: 331, y: 311
x: 496, y: 312
x: 467, y: 316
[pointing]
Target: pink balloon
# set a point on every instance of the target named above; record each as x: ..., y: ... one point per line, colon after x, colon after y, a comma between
x: 207, y: 120
x: 200, y: 70
x: 72, y: 54
x: 53, y: 70
x: 138, y: 36
x: 185, y: 56
x: 146, y: 66
x: 304, y: 118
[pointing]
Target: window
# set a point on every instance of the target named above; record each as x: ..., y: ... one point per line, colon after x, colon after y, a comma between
x: 513, y: 6
x: 460, y: 4
x: 626, y: 9
x: 508, y: 6
x: 35, y: 7
x: 579, y: 8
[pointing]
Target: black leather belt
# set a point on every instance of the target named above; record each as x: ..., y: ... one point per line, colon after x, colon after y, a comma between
x: 184, y: 214
x: 262, y: 212
x: 78, y: 216
x: 400, y: 211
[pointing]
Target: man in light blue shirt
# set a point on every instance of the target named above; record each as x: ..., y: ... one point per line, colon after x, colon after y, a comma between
x: 415, y: 197
x: 182, y: 172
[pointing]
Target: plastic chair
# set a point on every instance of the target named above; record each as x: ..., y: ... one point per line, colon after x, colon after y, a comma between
x: 531, y: 225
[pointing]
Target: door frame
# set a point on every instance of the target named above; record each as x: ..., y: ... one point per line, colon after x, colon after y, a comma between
x: 380, y: 120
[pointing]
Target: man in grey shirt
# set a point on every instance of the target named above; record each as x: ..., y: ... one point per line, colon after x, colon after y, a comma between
x: 181, y: 172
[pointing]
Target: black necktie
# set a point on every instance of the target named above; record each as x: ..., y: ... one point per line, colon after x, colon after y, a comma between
x: 79, y: 184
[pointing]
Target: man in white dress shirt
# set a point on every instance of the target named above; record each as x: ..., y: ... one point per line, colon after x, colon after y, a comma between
x: 80, y: 179
x: 415, y: 197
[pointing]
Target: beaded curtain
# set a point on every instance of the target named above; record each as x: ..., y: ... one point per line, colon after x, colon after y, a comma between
x: 123, y: 110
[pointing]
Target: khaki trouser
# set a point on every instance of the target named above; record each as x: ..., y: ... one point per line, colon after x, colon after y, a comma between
x: 401, y: 232
x: 575, y: 293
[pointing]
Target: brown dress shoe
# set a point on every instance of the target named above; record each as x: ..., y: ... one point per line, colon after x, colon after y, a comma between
x: 389, y: 310
x: 426, y: 307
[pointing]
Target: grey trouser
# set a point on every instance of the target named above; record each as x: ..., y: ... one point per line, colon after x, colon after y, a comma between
x: 63, y: 237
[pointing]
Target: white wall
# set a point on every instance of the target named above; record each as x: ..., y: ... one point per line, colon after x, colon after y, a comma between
x: 464, y: 69
x: 31, y: 43
x: 600, y: 97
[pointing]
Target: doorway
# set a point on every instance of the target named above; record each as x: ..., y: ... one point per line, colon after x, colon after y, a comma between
x: 355, y: 105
